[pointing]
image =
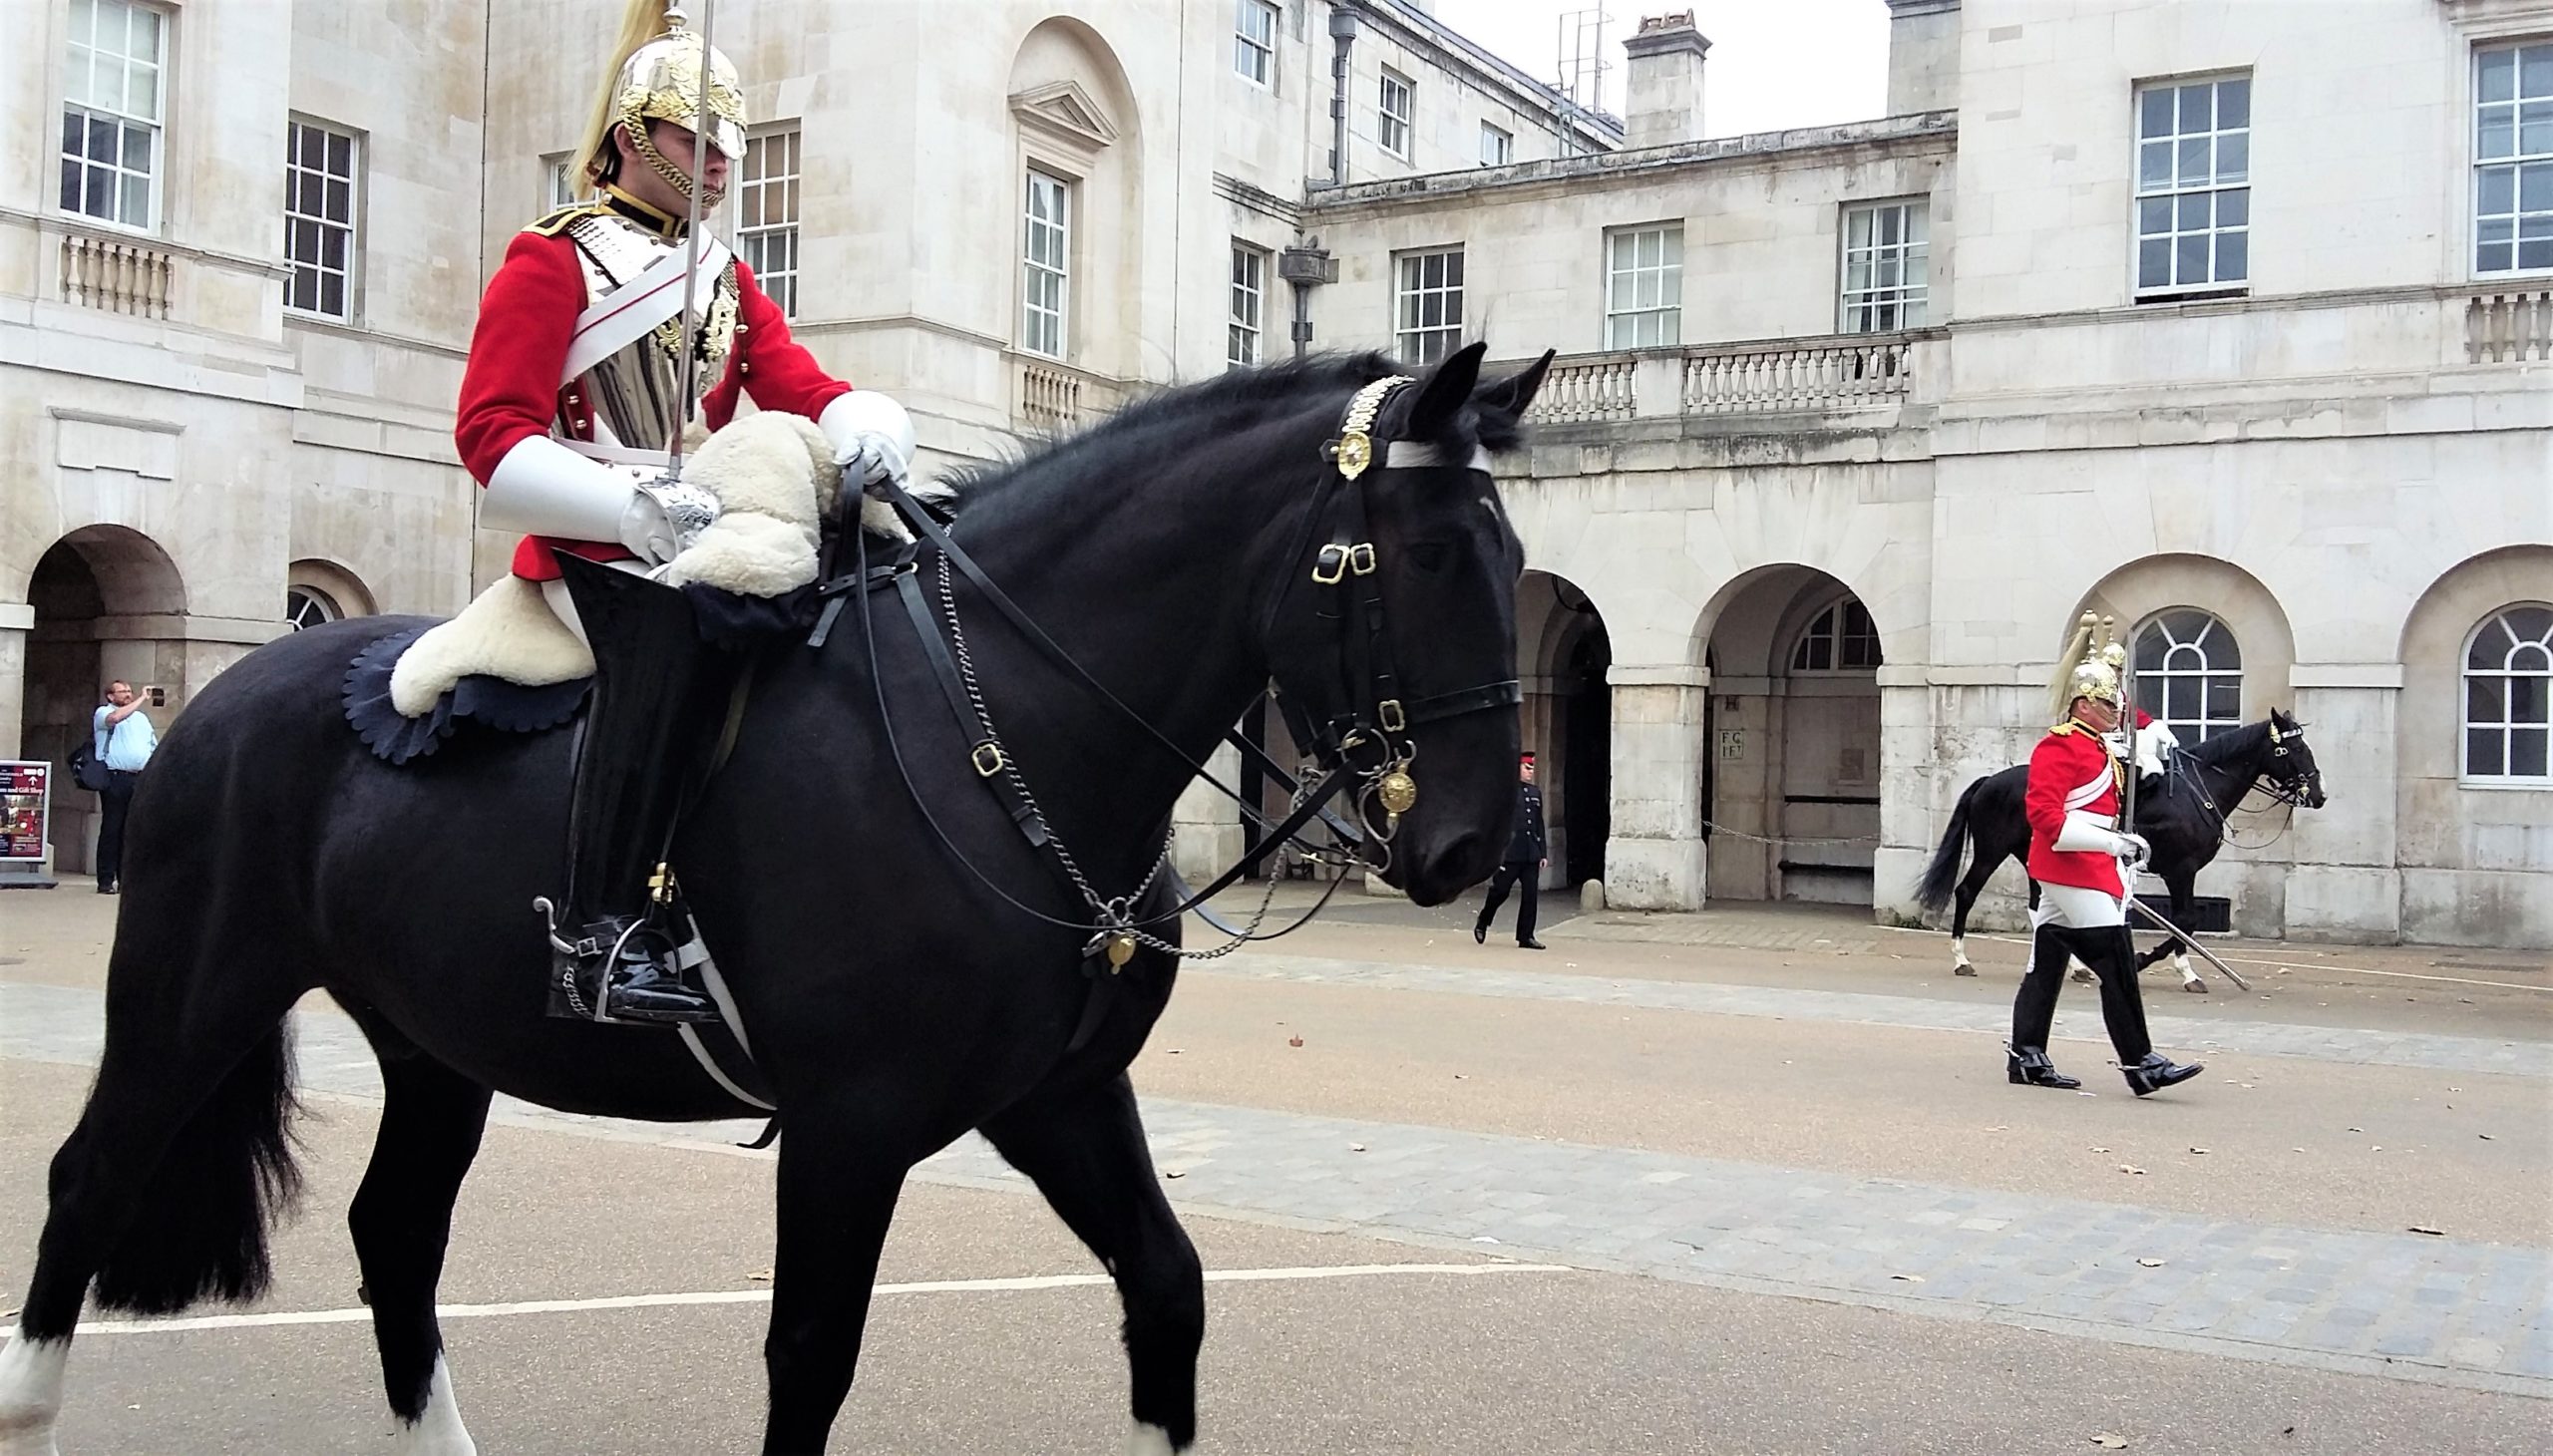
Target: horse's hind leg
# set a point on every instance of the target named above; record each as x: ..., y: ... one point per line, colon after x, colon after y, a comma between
x: 1981, y: 867
x: 1086, y: 1153
x: 430, y: 1121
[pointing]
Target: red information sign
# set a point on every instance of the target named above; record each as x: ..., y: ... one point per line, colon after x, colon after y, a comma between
x: 25, y: 789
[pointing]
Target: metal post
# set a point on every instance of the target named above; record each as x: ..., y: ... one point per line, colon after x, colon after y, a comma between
x: 691, y: 248
x: 1342, y: 31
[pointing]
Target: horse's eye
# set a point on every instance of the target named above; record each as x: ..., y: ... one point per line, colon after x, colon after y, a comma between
x: 1431, y: 556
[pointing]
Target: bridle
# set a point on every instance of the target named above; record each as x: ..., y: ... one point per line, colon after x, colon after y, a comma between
x: 1359, y: 738
x: 1363, y: 730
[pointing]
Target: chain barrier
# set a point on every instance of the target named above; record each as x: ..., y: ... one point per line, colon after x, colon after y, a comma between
x: 1739, y: 834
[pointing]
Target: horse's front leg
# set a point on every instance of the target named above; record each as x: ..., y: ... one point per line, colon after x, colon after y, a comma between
x: 838, y: 1189
x: 2184, y: 889
x: 1085, y: 1151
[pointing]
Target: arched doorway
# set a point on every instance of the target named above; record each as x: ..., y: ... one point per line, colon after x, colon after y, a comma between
x: 1568, y: 719
x: 1793, y: 786
x: 90, y: 592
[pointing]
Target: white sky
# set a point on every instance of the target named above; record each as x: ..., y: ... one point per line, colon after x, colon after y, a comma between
x: 1774, y: 64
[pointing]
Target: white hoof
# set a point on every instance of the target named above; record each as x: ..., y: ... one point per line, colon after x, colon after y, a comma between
x: 437, y: 1430
x: 2194, y: 984
x: 1149, y: 1440
x: 30, y: 1394
x: 1958, y: 956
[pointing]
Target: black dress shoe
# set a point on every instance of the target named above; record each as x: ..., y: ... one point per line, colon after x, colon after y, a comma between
x: 1480, y: 934
x: 1530, y: 943
x: 2028, y: 1066
x: 2157, y: 1072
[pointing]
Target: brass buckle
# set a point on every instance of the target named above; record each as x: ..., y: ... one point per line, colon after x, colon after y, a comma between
x: 988, y: 758
x: 1388, y: 713
x: 660, y: 884
x: 1330, y: 567
x: 1361, y: 559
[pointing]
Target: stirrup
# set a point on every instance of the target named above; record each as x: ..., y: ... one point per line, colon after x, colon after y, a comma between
x: 606, y: 978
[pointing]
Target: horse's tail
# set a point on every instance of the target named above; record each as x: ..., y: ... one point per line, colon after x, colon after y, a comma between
x: 199, y: 1230
x: 1933, y: 890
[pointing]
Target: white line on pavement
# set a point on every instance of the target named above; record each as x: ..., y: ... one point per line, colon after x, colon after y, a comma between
x: 759, y: 1296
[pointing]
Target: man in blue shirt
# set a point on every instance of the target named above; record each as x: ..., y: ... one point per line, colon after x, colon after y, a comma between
x: 125, y: 743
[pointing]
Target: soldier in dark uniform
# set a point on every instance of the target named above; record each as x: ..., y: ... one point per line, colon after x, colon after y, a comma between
x: 1527, y: 855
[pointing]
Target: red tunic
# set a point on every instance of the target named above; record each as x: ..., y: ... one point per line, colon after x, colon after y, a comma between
x: 2071, y: 769
x: 511, y: 388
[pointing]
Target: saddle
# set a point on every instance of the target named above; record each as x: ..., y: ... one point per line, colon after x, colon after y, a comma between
x: 508, y: 664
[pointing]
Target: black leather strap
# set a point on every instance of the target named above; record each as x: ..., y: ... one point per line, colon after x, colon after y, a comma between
x: 983, y: 752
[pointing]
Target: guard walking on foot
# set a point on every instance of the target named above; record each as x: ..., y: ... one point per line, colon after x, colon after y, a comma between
x: 2085, y: 868
x: 1527, y: 855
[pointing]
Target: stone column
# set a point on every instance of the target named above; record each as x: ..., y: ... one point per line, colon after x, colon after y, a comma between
x: 1655, y: 857
x: 17, y: 619
x: 1905, y: 765
x: 2345, y: 884
x: 1205, y: 826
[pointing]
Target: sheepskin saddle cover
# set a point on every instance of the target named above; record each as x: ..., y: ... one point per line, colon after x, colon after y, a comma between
x: 507, y: 662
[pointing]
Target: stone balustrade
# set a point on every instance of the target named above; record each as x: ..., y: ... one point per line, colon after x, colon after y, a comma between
x: 117, y: 275
x: 1793, y: 375
x: 1054, y: 397
x: 2509, y: 326
x: 1587, y: 387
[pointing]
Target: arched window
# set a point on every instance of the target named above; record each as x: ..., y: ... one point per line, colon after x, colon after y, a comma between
x: 1842, y: 636
x: 2189, y: 674
x: 2508, y: 697
x: 308, y: 606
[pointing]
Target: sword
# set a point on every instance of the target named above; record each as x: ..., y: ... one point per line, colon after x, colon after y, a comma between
x: 2185, y: 937
x: 692, y: 250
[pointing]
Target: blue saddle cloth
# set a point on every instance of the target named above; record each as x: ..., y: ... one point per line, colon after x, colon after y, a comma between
x: 489, y: 702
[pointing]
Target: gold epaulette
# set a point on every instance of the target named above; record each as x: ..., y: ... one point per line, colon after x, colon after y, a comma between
x: 557, y: 222
x: 2069, y: 726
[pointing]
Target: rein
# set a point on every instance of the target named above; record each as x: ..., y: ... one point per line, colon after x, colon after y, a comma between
x: 1372, y: 716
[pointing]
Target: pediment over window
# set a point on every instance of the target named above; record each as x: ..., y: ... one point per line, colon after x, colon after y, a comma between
x: 1065, y: 110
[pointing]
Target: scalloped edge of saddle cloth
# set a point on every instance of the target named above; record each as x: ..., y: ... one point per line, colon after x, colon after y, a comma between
x: 508, y: 634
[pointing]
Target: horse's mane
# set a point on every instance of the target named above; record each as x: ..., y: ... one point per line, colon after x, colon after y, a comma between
x: 1130, y: 441
x: 2233, y: 743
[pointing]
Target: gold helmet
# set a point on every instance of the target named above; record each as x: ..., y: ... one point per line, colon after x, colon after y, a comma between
x: 656, y: 76
x: 2089, y: 668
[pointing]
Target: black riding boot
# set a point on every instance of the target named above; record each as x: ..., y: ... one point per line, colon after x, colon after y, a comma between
x: 2157, y: 1072
x: 2028, y: 1066
x: 656, y: 693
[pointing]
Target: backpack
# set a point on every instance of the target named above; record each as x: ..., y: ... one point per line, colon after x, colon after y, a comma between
x: 87, y: 769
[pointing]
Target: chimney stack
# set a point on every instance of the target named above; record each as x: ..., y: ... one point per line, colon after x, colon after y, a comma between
x: 1663, y: 101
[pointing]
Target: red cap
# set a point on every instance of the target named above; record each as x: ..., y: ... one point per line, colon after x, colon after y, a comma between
x: 1526, y: 757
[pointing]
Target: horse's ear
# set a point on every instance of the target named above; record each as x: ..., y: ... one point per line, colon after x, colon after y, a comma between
x: 1515, y: 394
x: 1447, y: 388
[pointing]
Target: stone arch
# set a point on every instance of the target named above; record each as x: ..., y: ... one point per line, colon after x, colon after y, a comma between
x: 2473, y: 859
x: 96, y: 595
x: 333, y: 583
x: 2139, y: 593
x: 1074, y: 117
x: 1792, y: 774
x: 1564, y: 660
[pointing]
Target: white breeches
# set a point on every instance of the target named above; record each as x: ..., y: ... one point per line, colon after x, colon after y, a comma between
x: 2077, y: 909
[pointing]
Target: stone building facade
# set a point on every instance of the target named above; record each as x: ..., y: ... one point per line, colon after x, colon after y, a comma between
x: 2233, y: 324
x: 2230, y: 324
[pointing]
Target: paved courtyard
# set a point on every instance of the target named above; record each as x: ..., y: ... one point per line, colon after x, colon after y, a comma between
x: 1730, y: 1182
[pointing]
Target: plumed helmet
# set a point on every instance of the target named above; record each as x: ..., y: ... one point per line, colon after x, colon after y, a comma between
x: 656, y: 75
x: 2088, y: 668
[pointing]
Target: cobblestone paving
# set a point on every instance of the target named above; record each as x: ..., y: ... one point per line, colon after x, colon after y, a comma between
x: 2356, y: 1045
x: 2409, y: 1306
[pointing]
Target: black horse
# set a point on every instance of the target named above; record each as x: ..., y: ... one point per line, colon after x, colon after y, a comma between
x: 893, y: 1000
x: 2180, y: 811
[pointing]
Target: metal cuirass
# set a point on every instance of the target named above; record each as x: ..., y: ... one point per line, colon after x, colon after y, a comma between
x: 637, y: 392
